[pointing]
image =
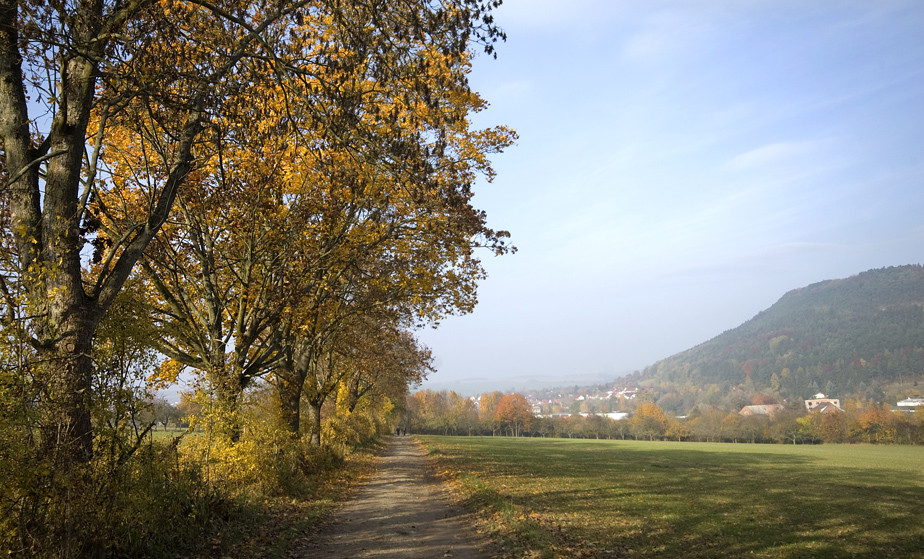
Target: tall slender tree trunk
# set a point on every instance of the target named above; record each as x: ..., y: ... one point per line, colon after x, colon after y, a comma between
x: 68, y: 325
x: 47, y: 229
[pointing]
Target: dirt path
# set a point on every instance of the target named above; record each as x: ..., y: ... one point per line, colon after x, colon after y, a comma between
x: 402, y: 512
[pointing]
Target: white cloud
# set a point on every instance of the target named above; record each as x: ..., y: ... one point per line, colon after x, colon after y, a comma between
x: 775, y: 154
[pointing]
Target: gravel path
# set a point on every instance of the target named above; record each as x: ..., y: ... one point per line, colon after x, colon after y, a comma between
x: 402, y: 512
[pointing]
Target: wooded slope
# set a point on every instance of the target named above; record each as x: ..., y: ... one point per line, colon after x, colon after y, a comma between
x: 850, y: 337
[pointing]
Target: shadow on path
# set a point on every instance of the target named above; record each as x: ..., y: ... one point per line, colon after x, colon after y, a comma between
x: 402, y: 512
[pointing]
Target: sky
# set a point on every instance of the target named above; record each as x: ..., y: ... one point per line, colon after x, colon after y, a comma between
x: 680, y: 166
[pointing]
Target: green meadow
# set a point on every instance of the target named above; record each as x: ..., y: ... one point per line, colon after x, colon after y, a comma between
x: 583, y: 498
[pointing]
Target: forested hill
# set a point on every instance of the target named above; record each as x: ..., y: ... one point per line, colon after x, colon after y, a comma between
x: 851, y: 337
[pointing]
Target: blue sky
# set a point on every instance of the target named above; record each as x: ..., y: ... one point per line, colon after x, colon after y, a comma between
x: 681, y: 165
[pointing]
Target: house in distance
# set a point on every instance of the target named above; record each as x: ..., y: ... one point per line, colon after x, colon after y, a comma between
x: 823, y: 404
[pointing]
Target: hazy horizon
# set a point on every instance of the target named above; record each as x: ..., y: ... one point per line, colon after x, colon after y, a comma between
x: 681, y: 166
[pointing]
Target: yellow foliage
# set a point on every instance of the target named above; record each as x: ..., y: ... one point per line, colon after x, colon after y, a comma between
x: 165, y: 375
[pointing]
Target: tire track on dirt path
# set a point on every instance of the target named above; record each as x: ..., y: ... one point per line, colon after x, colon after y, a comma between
x: 401, y: 512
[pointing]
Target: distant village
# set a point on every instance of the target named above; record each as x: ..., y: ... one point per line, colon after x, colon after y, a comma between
x: 616, y: 403
x: 609, y: 404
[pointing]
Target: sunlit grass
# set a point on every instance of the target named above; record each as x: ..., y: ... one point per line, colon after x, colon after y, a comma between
x: 159, y: 433
x: 661, y: 499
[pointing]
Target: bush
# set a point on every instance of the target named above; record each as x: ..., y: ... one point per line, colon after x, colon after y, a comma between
x: 266, y: 461
x: 148, y: 504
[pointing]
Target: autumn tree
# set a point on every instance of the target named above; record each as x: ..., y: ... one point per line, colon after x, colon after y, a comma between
x: 786, y: 426
x: 731, y: 427
x: 514, y: 413
x: 754, y: 428
x: 574, y: 426
x: 706, y: 424
x: 165, y: 413
x: 369, y: 362
x: 217, y: 274
x: 677, y: 429
x: 188, y: 407
x: 649, y: 421
x: 58, y: 62
x: 124, y: 361
x: 379, y: 364
x: 487, y: 406
x: 621, y: 428
x: 396, y: 235
x: 875, y: 424
x: 384, y: 361
x: 132, y: 62
x: 464, y: 414
x: 596, y: 425
x: 428, y: 411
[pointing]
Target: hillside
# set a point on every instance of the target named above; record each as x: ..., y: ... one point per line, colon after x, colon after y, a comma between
x: 859, y: 337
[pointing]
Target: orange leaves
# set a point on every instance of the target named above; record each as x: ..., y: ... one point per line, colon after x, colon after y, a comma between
x: 513, y: 409
x: 331, y: 183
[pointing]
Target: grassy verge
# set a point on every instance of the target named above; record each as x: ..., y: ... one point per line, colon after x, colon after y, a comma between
x: 564, y: 498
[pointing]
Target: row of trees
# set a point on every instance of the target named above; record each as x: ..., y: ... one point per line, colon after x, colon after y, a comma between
x: 448, y: 413
x: 269, y: 194
x: 860, y: 422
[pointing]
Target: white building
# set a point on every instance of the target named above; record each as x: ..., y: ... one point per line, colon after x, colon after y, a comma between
x: 909, y: 404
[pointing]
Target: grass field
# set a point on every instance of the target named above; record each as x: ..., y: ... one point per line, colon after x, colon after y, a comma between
x: 170, y: 432
x: 580, y: 498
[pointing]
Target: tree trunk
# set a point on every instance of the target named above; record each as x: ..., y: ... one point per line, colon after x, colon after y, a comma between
x: 66, y: 373
x: 314, y: 423
x: 48, y: 242
x: 227, y: 398
x: 289, y: 394
x: 43, y: 181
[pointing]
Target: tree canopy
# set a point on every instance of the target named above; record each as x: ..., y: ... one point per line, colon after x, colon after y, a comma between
x: 271, y: 194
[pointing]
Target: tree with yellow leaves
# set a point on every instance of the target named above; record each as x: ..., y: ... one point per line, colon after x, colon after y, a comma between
x: 163, y: 72
x: 309, y: 192
x: 396, y: 233
x: 648, y: 421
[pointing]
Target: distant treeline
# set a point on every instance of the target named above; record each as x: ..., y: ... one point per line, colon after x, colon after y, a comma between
x: 448, y: 413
